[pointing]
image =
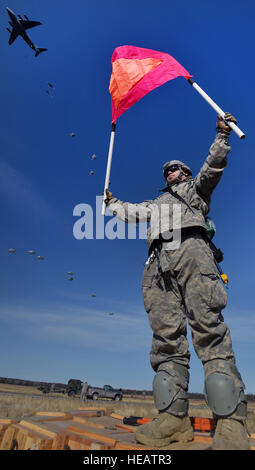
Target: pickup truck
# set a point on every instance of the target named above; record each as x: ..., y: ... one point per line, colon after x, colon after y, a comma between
x: 106, y: 392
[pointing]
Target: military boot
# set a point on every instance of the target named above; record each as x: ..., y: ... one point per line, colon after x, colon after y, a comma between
x: 230, y: 434
x: 164, y: 429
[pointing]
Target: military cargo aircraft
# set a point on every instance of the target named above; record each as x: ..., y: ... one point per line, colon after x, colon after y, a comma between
x: 19, y: 27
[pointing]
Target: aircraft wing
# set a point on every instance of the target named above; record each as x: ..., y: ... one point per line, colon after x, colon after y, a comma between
x: 27, y: 24
x: 13, y: 36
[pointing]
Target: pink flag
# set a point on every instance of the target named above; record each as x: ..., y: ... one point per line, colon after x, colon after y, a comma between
x: 137, y: 71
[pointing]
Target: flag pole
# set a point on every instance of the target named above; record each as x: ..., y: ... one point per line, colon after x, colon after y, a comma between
x: 216, y: 108
x: 108, y: 169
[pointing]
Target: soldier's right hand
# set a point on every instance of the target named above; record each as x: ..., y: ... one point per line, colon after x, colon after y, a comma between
x: 109, y: 196
x: 222, y: 126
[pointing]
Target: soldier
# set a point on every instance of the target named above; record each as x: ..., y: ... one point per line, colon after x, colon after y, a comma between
x: 183, y: 284
x: 84, y: 390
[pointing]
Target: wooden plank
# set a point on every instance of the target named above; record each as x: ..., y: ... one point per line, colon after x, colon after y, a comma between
x: 79, y: 419
x: 21, y: 438
x: 77, y: 442
x: 24, y: 439
x: 77, y: 445
x: 125, y: 427
x: 60, y: 441
x: 2, y: 432
x: 29, y: 442
x: 92, y: 436
x: 128, y: 446
x: 107, y: 411
x: 51, y: 413
x: 108, y: 422
x: 114, y: 415
x: 94, y: 413
x: 27, y: 437
x: 46, y: 419
x: 4, y: 421
x: 90, y: 443
x: 201, y: 438
x: 98, y: 446
x: 38, y: 428
x: 9, y: 434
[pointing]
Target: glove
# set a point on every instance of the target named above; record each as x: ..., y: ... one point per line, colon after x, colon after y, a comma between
x: 109, y: 196
x: 222, y: 126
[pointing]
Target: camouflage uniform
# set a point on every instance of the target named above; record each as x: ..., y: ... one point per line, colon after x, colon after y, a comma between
x: 183, y: 284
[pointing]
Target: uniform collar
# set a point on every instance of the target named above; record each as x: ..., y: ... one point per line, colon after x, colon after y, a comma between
x: 169, y: 186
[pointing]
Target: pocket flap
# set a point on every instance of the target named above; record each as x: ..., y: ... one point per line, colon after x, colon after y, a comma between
x: 147, y: 280
x: 209, y: 271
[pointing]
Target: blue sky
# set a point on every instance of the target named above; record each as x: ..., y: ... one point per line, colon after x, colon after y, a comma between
x: 52, y: 329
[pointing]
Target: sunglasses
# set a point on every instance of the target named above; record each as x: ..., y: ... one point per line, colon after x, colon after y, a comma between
x: 172, y: 169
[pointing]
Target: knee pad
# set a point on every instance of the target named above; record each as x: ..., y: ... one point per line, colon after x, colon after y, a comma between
x: 167, y: 397
x: 221, y: 394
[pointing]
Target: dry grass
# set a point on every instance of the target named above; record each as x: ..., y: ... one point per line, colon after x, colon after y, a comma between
x: 19, y: 389
x: 19, y: 406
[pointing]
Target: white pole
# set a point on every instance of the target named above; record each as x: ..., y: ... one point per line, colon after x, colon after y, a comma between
x: 108, y: 169
x: 216, y: 108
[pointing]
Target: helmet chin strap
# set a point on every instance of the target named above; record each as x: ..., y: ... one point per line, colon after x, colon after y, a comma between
x: 181, y: 174
x: 179, y: 178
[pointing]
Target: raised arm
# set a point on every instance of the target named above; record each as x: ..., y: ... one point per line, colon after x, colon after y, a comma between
x: 212, y: 170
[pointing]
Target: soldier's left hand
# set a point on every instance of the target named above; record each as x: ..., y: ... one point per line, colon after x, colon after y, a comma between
x: 222, y: 124
x: 109, y: 196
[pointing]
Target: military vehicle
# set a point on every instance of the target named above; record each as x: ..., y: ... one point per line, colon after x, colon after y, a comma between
x: 74, y: 387
x: 52, y: 388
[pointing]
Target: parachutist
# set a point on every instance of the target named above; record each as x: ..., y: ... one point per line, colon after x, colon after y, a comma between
x: 12, y: 250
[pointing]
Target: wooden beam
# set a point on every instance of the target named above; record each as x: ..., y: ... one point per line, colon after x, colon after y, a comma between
x: 38, y: 428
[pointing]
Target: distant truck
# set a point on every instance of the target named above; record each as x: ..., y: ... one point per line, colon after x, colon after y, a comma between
x: 106, y: 392
x: 72, y: 389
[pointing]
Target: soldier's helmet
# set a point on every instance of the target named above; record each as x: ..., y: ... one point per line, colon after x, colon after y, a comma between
x: 177, y: 162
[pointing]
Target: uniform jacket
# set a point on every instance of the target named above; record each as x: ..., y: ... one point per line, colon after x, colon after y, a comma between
x: 193, y: 194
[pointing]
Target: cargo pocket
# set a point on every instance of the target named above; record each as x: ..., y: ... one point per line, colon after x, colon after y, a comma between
x: 148, y: 276
x: 212, y: 290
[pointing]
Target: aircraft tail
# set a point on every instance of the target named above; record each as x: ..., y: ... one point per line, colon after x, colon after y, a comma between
x: 39, y: 50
